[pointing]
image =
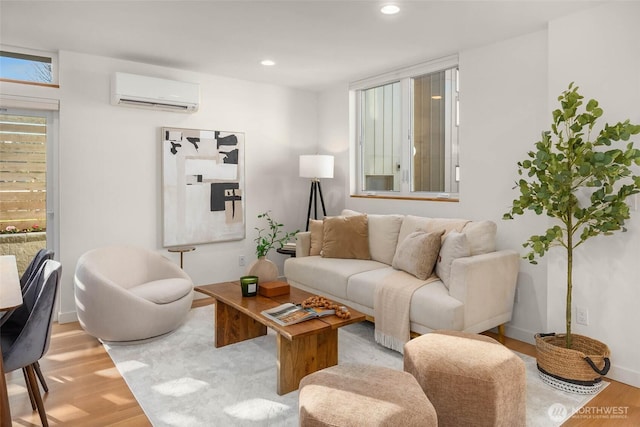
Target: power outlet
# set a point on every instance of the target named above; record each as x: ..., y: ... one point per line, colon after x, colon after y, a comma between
x: 582, y: 316
x: 241, y: 261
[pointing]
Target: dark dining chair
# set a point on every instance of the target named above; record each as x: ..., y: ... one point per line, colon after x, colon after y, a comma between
x: 18, y: 316
x: 23, y: 347
x: 36, y: 262
x: 40, y: 257
x: 32, y: 269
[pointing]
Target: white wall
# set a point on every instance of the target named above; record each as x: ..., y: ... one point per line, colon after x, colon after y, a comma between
x: 503, y: 110
x: 110, y: 169
x: 598, y: 49
x: 508, y: 90
x: 333, y: 124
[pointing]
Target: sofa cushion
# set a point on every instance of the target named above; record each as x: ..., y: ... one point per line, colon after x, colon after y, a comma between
x: 411, y: 224
x: 417, y: 253
x: 330, y: 275
x: 455, y: 245
x: 349, y: 212
x: 433, y: 307
x: 163, y: 291
x: 383, y: 234
x: 447, y: 224
x: 346, y: 237
x: 361, y: 287
x: 315, y: 227
x: 481, y: 236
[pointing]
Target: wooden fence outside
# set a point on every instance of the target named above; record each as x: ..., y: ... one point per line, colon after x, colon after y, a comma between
x: 23, y: 170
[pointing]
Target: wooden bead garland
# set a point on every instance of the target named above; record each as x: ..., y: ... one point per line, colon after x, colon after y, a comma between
x: 322, y: 302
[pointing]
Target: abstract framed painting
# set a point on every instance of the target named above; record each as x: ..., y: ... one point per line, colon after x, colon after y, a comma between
x: 202, y: 186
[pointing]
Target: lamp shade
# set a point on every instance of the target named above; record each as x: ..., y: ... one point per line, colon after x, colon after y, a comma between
x: 316, y: 166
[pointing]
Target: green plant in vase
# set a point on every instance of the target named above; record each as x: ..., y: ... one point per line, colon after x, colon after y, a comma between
x: 568, y: 160
x: 271, y: 236
x: 268, y: 238
x: 581, y: 178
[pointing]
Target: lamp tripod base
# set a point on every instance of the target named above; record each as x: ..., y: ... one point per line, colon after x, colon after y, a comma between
x: 313, y: 199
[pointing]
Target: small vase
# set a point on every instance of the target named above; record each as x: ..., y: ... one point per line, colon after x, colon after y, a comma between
x: 265, y: 269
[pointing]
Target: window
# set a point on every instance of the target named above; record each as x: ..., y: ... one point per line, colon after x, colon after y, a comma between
x: 380, y: 137
x: 27, y: 66
x: 407, y: 132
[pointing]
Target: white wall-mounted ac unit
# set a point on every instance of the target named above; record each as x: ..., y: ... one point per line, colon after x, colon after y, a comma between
x: 151, y: 92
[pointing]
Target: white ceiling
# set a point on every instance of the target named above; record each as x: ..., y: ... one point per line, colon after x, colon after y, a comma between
x: 314, y: 43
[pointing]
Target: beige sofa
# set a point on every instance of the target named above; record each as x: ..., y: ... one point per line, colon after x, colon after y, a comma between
x: 475, y: 291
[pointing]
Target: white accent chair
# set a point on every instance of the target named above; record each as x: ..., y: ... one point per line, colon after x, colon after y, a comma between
x: 125, y: 293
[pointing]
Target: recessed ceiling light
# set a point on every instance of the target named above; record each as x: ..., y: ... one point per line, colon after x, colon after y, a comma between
x: 390, y: 9
x: 268, y: 62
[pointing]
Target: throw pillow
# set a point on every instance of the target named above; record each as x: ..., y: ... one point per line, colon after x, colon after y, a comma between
x: 455, y: 245
x: 417, y: 253
x: 383, y: 236
x: 346, y: 237
x: 349, y: 212
x: 481, y: 236
x: 315, y: 227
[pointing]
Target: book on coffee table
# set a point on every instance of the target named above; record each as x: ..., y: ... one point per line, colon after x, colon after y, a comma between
x: 290, y: 314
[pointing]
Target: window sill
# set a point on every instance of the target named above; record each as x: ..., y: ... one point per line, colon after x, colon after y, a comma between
x: 420, y: 198
x: 25, y: 82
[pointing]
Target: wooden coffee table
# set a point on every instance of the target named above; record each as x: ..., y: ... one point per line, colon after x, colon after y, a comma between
x: 303, y: 348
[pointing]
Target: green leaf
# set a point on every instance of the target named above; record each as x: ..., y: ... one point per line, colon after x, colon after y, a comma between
x: 564, y: 162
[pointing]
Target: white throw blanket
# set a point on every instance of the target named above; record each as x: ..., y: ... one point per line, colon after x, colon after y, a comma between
x: 391, y: 308
x: 392, y: 299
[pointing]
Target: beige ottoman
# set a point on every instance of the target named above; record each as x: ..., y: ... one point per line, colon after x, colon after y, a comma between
x: 470, y: 379
x: 363, y: 395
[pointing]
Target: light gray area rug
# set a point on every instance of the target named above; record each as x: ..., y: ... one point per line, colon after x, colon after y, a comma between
x: 182, y: 380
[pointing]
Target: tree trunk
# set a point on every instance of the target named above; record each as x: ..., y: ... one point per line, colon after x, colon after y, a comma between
x: 569, y: 275
x: 569, y: 289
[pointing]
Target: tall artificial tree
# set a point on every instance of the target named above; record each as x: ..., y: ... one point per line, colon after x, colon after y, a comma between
x: 580, y: 179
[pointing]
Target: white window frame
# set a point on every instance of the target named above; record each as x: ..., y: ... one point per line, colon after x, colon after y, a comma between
x: 403, y: 76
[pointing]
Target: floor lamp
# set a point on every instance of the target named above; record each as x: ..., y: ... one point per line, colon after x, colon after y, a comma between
x: 316, y: 166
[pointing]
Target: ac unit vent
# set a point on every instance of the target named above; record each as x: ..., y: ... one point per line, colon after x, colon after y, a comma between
x: 151, y: 92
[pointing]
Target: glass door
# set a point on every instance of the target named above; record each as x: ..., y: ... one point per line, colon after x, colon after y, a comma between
x: 26, y: 184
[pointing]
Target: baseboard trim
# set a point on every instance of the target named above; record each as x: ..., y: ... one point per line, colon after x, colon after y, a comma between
x: 67, y: 317
x: 520, y: 334
x: 624, y: 375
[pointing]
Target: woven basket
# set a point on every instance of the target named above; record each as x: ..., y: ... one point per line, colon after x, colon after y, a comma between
x: 583, y: 364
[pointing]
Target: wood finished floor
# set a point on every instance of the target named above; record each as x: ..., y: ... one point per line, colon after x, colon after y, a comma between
x: 85, y: 388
